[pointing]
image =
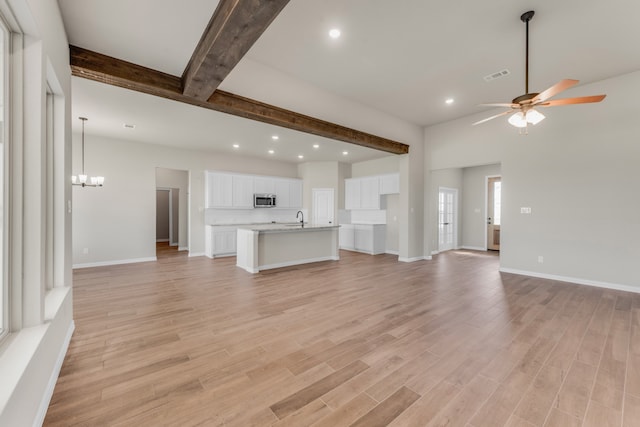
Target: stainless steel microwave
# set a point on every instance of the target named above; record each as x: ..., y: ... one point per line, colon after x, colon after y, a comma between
x: 264, y: 200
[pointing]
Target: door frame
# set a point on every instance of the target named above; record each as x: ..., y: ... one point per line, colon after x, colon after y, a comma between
x: 170, y: 190
x: 486, y: 209
x: 456, y: 216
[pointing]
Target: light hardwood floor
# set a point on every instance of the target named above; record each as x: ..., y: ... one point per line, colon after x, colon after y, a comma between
x: 366, y: 341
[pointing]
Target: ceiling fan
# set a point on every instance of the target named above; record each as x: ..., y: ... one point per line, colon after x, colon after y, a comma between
x: 523, y: 105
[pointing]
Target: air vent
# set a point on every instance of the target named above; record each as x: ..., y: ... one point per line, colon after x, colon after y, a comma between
x: 497, y: 75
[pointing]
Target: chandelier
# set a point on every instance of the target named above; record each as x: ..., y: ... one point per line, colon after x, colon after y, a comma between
x: 82, y: 179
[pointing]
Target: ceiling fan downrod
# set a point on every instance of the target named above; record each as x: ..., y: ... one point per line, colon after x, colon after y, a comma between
x: 526, y: 17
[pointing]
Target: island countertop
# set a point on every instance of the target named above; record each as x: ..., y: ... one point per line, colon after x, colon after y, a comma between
x: 284, y: 228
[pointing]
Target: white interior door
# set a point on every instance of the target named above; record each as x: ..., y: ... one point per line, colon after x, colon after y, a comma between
x: 322, y: 206
x: 447, y: 218
x: 494, y: 202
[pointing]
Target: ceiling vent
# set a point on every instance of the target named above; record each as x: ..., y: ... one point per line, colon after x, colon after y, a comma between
x: 497, y: 75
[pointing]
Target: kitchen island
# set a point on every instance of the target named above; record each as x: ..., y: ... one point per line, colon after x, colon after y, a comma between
x: 263, y: 247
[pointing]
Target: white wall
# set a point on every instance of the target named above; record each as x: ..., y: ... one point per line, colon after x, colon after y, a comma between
x: 41, y: 318
x: 577, y: 170
x: 389, y: 164
x: 117, y: 222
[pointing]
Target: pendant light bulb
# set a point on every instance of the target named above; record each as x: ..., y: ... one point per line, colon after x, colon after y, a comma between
x: 518, y: 120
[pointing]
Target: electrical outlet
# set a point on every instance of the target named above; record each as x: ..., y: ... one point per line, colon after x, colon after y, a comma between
x: 540, y: 259
x: 525, y: 210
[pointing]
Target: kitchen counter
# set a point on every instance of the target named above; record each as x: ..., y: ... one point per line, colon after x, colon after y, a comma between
x: 286, y: 227
x: 267, y: 246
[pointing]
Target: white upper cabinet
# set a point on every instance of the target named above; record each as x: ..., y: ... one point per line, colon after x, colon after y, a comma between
x: 219, y: 192
x: 364, y: 193
x: 390, y: 183
x: 264, y: 185
x: 242, y: 191
x: 225, y: 190
x: 352, y: 194
x: 295, y: 193
x: 235, y: 191
x: 370, y: 193
x: 282, y: 193
x: 288, y: 193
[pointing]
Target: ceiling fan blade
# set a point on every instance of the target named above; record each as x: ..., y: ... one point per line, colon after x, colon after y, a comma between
x: 568, y: 101
x: 507, y: 105
x: 554, y: 90
x: 492, y: 117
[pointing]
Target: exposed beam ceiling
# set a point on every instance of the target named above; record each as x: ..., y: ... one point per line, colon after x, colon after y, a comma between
x: 232, y: 30
x: 113, y: 71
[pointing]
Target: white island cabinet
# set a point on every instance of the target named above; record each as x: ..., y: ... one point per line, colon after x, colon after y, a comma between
x: 263, y: 247
x: 367, y: 238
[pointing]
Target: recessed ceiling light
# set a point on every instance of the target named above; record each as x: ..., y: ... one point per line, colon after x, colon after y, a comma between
x: 128, y: 126
x: 300, y: 156
x: 316, y: 145
x: 271, y: 151
x: 275, y: 137
x: 334, y: 33
x: 344, y: 153
x: 449, y: 101
x: 236, y: 146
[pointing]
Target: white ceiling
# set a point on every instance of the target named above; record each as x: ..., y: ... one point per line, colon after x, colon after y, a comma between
x: 401, y: 57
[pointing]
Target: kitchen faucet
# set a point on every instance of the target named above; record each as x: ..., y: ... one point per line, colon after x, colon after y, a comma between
x: 300, y: 213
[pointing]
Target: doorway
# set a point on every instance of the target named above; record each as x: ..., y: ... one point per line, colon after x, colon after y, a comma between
x: 323, y: 206
x: 167, y: 215
x: 494, y: 203
x: 172, y: 214
x: 447, y: 219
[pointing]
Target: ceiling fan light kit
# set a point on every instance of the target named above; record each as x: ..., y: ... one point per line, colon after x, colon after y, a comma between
x: 522, y: 106
x: 521, y: 119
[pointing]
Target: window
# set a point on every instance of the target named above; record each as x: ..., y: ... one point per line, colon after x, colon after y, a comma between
x: 4, y: 85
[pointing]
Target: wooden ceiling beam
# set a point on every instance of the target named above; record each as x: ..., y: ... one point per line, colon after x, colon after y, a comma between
x: 105, y: 69
x: 233, y: 29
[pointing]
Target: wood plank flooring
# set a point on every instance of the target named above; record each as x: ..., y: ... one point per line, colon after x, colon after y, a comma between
x: 366, y: 341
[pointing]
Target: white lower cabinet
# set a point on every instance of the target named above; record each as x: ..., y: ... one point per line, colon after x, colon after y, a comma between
x: 221, y: 241
x: 368, y: 238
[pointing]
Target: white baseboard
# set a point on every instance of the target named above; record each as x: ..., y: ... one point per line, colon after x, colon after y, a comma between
x: 173, y: 244
x: 298, y: 262
x: 195, y: 254
x: 435, y: 252
x: 161, y: 240
x: 222, y: 255
x: 115, y: 262
x: 576, y: 280
x: 473, y: 248
x: 183, y: 248
x: 413, y: 259
x: 390, y: 252
x: 48, y: 394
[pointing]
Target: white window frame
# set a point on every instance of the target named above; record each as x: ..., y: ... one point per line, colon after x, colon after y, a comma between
x: 5, y: 103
